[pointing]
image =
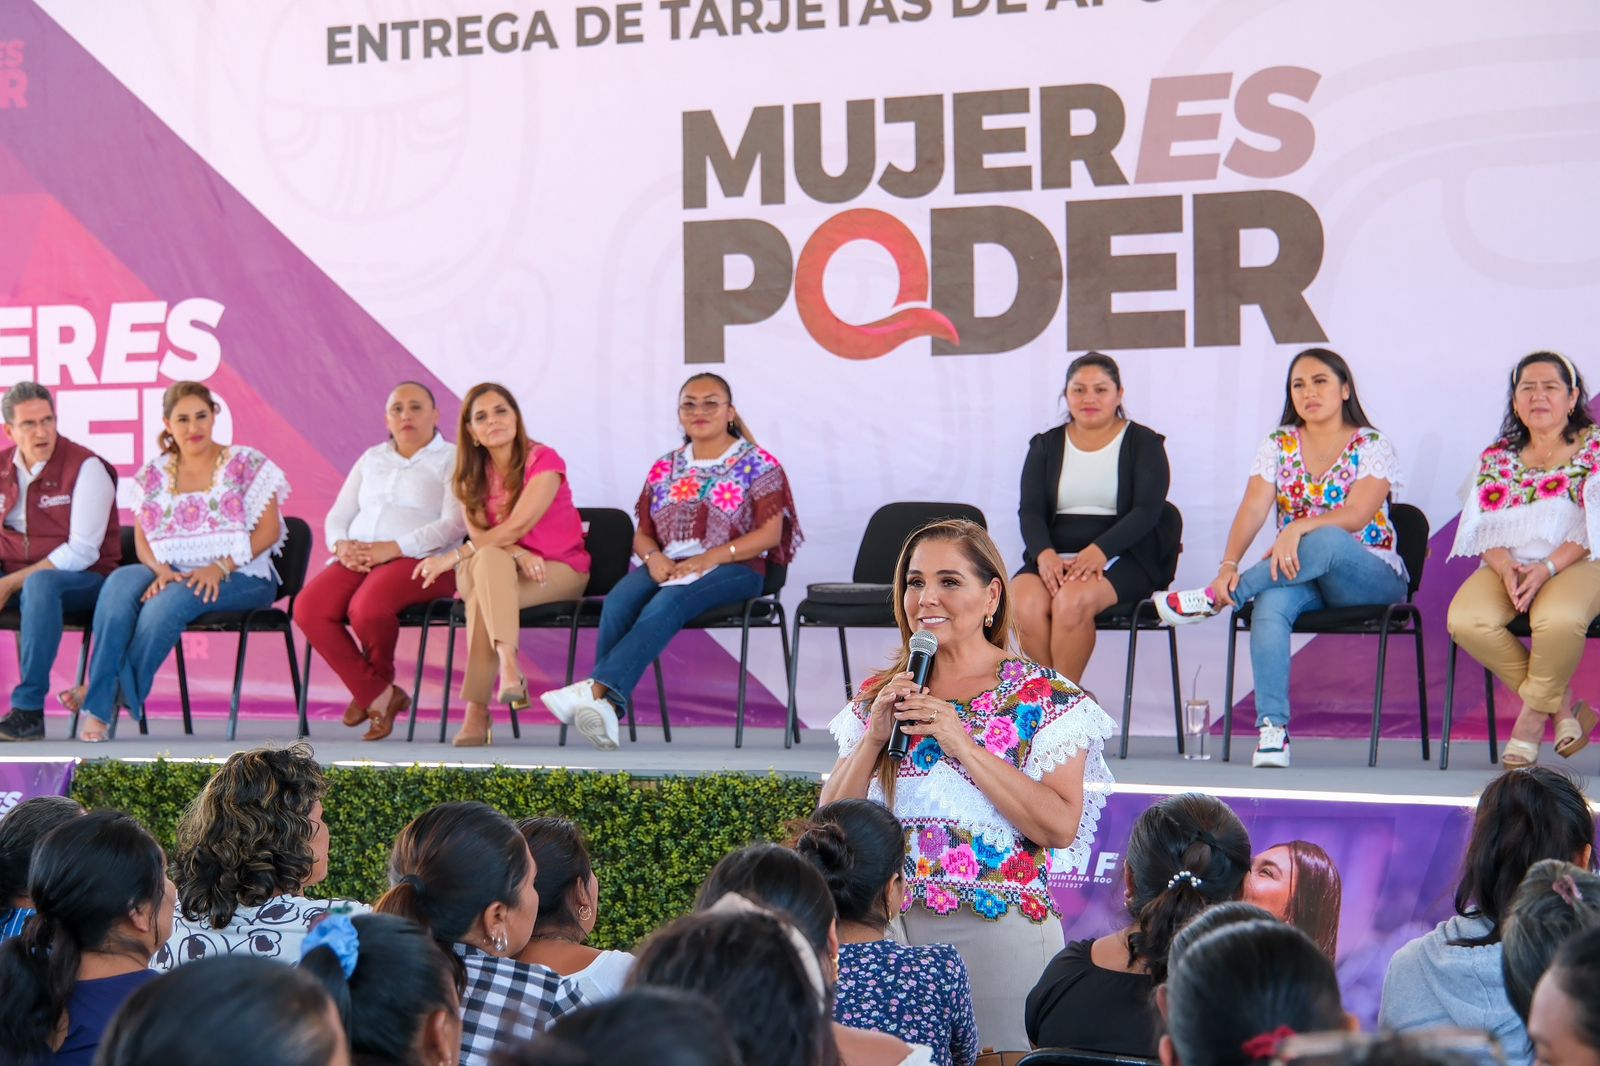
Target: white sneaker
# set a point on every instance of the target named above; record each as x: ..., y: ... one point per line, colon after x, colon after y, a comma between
x: 597, y: 721
x: 1182, y: 608
x: 1272, y: 749
x: 564, y: 702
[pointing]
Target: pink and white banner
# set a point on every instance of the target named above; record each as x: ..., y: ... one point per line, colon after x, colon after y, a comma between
x: 887, y: 222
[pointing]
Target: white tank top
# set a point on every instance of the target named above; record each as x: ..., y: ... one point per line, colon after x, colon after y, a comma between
x: 1088, y: 482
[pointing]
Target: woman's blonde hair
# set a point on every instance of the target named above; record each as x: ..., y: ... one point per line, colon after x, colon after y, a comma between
x: 180, y: 390
x: 987, y: 562
x: 472, y: 459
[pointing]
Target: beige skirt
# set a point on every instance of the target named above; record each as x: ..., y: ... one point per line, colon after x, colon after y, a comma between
x: 1004, y: 960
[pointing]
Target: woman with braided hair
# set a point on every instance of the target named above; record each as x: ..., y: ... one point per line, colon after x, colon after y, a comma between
x: 1185, y: 853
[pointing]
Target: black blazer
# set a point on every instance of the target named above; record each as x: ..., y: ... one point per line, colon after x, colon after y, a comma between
x: 1143, y: 477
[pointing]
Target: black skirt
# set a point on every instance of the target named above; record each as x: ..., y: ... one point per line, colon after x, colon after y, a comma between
x: 1075, y: 532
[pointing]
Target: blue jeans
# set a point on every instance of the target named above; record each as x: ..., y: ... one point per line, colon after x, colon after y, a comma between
x: 132, y: 640
x: 640, y: 618
x: 46, y: 596
x: 1335, y: 571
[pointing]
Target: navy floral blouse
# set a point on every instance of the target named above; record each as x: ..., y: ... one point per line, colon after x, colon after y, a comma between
x: 919, y: 994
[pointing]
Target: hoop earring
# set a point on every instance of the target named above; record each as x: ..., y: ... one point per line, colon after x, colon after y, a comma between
x: 988, y: 621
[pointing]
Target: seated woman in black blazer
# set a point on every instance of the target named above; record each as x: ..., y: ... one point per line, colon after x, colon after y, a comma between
x: 1093, y: 494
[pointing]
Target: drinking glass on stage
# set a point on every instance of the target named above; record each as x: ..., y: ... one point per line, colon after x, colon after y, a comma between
x: 1196, y: 724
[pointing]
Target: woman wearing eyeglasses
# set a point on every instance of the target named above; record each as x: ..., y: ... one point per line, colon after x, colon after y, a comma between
x: 712, y: 515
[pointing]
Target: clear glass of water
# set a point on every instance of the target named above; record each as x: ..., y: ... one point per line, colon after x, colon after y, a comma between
x: 1196, y: 724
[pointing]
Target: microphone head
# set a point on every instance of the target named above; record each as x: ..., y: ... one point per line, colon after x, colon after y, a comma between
x: 924, y: 643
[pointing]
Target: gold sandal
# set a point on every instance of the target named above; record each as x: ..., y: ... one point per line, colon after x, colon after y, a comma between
x: 1517, y: 754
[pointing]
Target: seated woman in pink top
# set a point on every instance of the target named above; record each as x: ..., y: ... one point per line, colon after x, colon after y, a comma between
x: 524, y: 547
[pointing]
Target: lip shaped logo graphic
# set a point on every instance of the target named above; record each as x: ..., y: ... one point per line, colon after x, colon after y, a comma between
x: 872, y: 339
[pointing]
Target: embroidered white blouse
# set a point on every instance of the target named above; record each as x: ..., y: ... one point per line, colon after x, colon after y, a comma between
x: 188, y: 530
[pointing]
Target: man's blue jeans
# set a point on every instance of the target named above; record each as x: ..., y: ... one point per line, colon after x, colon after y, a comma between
x: 132, y: 640
x: 1335, y: 571
x: 46, y: 596
x: 640, y: 618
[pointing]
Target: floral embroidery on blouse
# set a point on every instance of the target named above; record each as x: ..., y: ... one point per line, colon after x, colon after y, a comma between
x: 920, y: 994
x: 193, y: 528
x: 719, y: 502
x: 1280, y: 460
x: 1513, y: 505
x: 960, y: 851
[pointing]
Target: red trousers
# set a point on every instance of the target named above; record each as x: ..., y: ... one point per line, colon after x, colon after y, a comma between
x: 370, y: 604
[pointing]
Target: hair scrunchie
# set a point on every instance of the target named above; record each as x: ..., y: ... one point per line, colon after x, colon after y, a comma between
x: 1266, y: 1045
x: 337, y: 933
x: 1185, y: 875
x: 1566, y: 886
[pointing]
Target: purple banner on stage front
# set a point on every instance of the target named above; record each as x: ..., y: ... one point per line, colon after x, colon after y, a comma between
x: 24, y: 780
x: 1397, y: 865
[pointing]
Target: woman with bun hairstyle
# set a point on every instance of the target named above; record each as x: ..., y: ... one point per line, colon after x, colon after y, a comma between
x: 1300, y: 885
x: 569, y: 907
x: 1093, y: 494
x: 1185, y: 853
x: 103, y: 906
x: 207, y: 525
x: 1554, y: 903
x: 462, y: 872
x: 398, y: 992
x: 920, y: 994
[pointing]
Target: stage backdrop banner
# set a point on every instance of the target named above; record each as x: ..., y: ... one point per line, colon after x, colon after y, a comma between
x: 889, y: 224
x: 1398, y: 864
x: 26, y: 779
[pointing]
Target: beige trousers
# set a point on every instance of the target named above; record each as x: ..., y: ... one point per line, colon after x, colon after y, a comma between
x: 493, y: 592
x: 1004, y: 961
x: 1559, y: 617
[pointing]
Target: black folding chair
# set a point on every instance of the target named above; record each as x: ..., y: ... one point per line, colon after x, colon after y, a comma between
x: 1060, y: 1056
x: 71, y: 622
x: 608, y: 537
x: 1379, y: 620
x: 291, y: 567
x: 1140, y: 616
x: 863, y: 601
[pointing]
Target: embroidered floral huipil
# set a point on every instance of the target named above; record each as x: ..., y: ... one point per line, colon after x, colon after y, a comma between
x: 1280, y: 462
x: 187, y: 530
x: 960, y: 851
x: 711, y: 502
x: 1530, y: 511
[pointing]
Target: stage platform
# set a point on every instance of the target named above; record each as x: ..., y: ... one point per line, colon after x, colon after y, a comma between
x: 1323, y: 769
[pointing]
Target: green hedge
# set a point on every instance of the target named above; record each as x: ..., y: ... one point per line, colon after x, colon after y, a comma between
x: 653, y: 841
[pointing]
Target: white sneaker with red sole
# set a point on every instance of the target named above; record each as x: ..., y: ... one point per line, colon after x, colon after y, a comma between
x: 1184, y: 607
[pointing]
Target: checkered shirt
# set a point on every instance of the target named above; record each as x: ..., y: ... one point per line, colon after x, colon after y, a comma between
x: 508, y: 1000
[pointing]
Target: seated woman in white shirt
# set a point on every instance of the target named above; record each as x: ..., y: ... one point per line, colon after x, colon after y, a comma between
x: 395, y: 507
x: 569, y: 906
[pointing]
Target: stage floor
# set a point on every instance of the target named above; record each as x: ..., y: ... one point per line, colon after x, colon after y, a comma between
x: 1323, y: 769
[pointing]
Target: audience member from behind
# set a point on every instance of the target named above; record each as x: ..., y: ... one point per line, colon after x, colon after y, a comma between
x: 1555, y: 902
x: 397, y: 990
x: 569, y: 905
x: 265, y: 1014
x: 1432, y: 1047
x: 1243, y: 990
x: 1217, y: 916
x: 1451, y: 976
x: 463, y: 872
x: 920, y: 994
x: 1564, y: 1021
x: 104, y: 905
x: 769, y: 877
x: 759, y: 972
x: 1300, y: 885
x: 1185, y: 853
x: 248, y: 847
x: 661, y: 1026
x: 20, y: 833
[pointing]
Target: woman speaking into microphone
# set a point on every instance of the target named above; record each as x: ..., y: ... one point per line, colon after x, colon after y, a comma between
x: 1003, y: 781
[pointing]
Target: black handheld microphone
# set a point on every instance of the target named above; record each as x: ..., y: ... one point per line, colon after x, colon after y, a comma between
x: 924, y: 646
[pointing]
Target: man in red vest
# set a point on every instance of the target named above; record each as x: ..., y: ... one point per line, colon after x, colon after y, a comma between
x: 59, y: 538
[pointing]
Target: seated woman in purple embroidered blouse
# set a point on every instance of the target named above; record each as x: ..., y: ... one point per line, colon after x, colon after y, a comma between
x: 713, y: 513
x: 1006, y: 777
x: 207, y: 526
x: 1531, y: 515
x: 1326, y: 474
x: 920, y: 994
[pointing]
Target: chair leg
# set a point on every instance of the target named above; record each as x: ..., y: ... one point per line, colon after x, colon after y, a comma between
x: 1422, y: 692
x: 449, y: 676
x: 1494, y: 739
x: 1377, y: 694
x: 1227, y: 689
x: 83, y: 672
x: 744, y: 679
x: 661, y: 700
x: 1177, y: 688
x: 1127, y: 685
x: 792, y: 713
x: 1449, y: 707
x: 633, y: 724
x: 183, y: 690
x: 301, y: 684
x: 790, y: 729
x: 844, y: 660
x: 238, y: 684
x: 416, y: 686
